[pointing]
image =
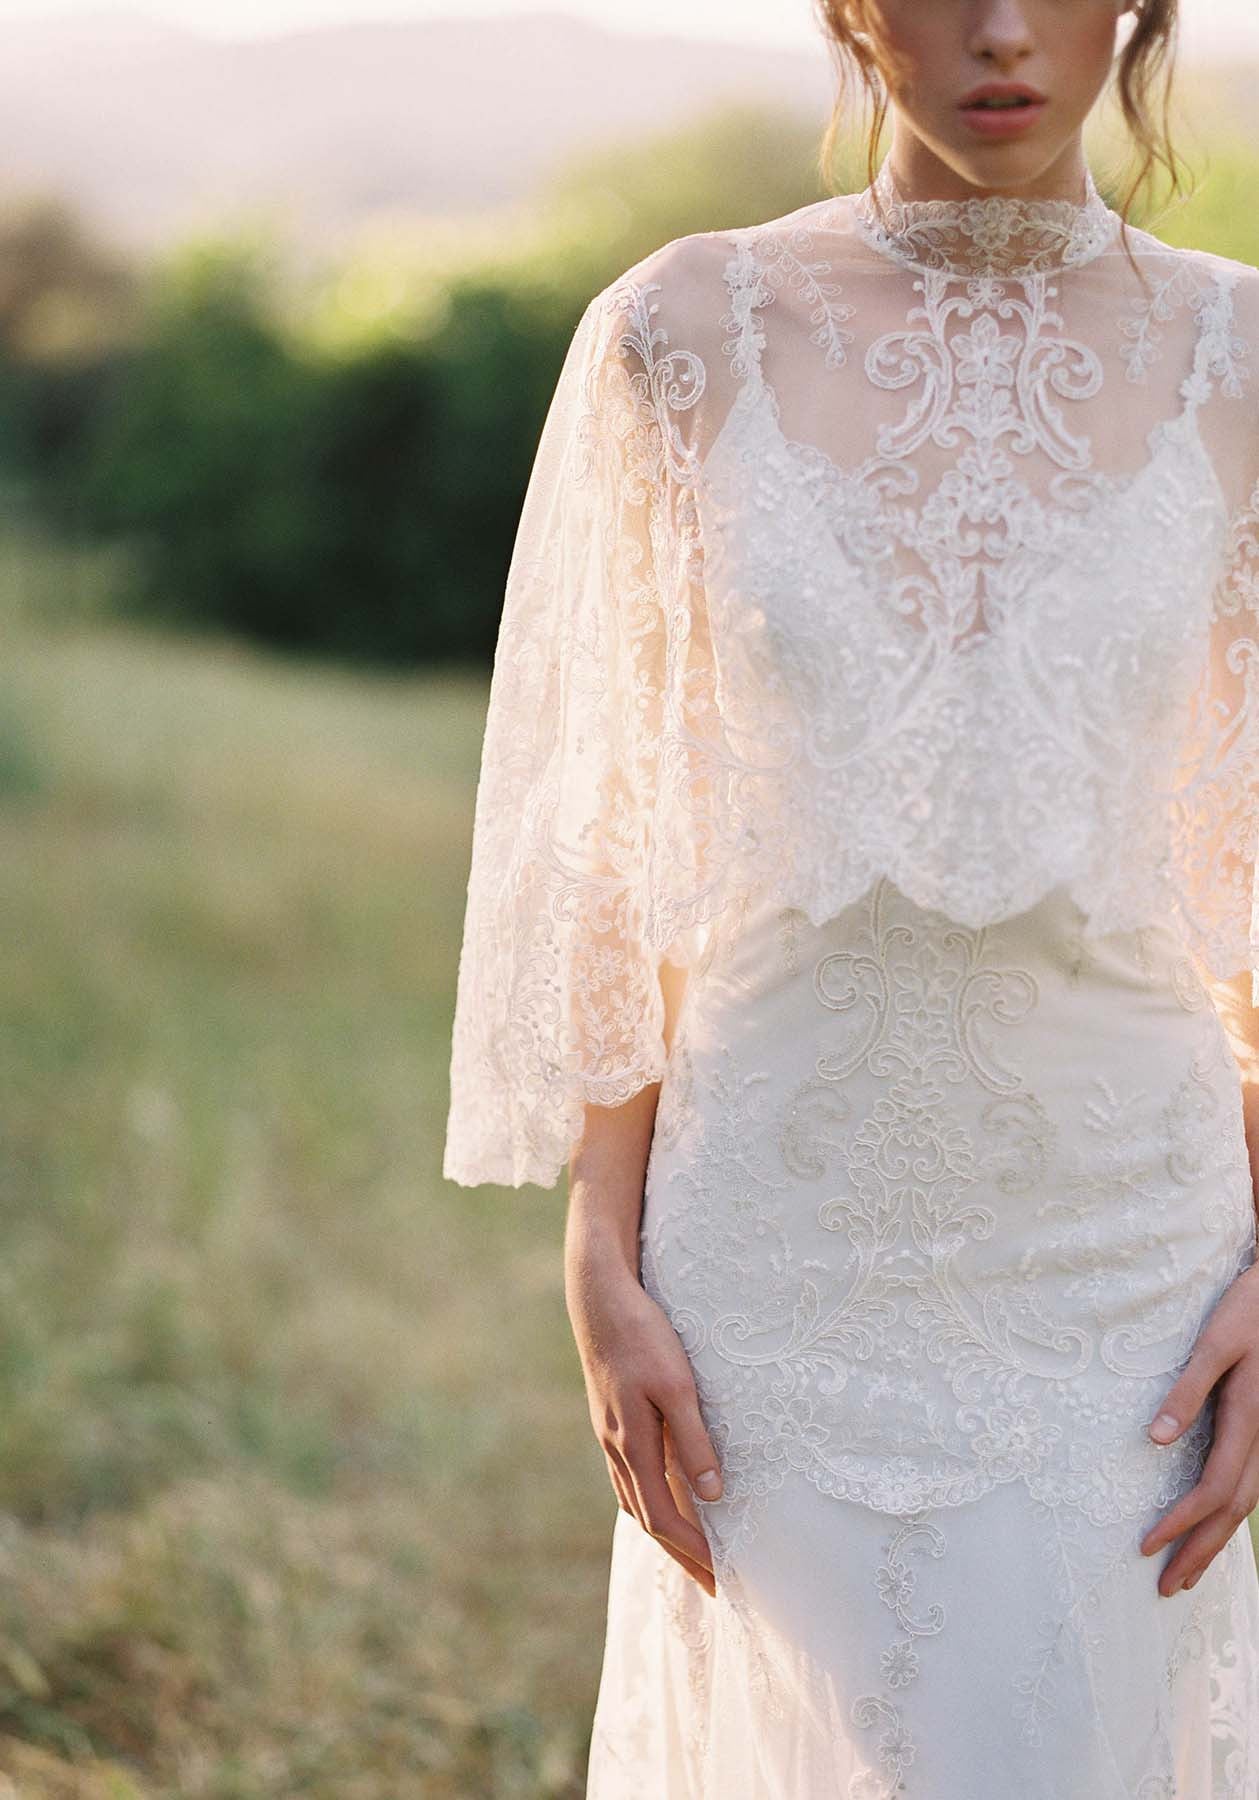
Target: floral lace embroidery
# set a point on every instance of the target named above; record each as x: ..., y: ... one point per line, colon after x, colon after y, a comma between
x: 896, y: 1581
x: 992, y: 235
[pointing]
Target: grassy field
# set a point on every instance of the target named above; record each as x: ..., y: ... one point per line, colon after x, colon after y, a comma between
x: 298, y: 1495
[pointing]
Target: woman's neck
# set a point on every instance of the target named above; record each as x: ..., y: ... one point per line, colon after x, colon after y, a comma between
x: 922, y: 175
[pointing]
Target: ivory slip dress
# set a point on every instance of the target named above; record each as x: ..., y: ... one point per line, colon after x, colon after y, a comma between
x: 872, y: 759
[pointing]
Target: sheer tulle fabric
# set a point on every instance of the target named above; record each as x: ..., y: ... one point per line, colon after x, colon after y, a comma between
x: 558, y: 1000
x: 928, y: 552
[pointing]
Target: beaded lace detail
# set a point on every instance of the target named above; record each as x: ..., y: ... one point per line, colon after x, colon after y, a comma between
x: 992, y: 234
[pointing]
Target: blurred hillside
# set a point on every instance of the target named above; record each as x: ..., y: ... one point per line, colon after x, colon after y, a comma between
x: 153, y: 131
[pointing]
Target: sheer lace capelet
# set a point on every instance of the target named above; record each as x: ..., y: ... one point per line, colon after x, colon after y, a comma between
x: 885, y: 537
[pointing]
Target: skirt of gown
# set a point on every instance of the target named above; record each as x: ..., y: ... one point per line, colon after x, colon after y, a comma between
x: 938, y: 1214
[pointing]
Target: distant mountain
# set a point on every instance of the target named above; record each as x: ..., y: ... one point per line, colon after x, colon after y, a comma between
x: 505, y: 98
x: 154, y: 130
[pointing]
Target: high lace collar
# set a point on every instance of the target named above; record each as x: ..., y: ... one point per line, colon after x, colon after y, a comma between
x: 996, y: 234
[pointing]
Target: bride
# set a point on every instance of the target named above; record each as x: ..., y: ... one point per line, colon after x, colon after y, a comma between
x: 862, y: 907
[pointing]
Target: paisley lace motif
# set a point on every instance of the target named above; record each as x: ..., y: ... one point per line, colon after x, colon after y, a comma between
x: 889, y: 1349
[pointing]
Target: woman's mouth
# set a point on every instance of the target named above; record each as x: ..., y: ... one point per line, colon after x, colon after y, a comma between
x: 1002, y: 109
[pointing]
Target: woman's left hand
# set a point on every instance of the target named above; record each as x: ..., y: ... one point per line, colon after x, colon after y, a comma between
x: 1227, y: 1352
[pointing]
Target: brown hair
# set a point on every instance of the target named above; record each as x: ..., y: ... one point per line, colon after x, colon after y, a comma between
x: 1143, y: 82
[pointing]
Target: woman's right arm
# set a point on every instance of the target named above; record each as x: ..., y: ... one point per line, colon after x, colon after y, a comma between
x: 639, y: 1381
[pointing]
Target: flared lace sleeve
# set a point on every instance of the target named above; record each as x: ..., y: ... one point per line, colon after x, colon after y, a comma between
x: 1216, y: 805
x: 558, y: 997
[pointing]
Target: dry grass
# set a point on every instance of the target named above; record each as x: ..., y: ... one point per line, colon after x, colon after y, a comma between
x: 298, y: 1496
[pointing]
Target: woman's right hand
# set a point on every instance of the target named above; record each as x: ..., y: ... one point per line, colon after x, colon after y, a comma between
x: 643, y: 1406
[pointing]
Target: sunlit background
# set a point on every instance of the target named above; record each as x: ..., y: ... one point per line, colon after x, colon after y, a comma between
x: 298, y: 1495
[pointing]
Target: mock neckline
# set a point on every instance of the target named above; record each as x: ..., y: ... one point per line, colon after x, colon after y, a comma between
x: 992, y: 234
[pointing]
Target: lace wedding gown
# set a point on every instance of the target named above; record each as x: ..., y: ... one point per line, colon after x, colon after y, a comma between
x: 872, y: 759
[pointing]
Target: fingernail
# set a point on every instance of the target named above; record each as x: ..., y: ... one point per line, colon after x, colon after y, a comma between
x: 1164, y: 1427
x: 1193, y: 1579
x: 709, y: 1483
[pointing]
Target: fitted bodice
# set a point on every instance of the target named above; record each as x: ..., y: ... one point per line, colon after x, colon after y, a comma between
x: 922, y: 1198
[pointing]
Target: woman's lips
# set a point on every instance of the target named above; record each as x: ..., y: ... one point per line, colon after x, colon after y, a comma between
x: 1007, y: 121
x: 1023, y: 109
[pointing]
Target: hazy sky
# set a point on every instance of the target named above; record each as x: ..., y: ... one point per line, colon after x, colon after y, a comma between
x: 1211, y: 25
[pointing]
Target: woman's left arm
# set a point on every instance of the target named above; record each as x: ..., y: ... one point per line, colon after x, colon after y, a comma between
x: 1226, y: 1353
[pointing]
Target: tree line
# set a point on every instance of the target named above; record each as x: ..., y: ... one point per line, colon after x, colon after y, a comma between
x: 360, y: 501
